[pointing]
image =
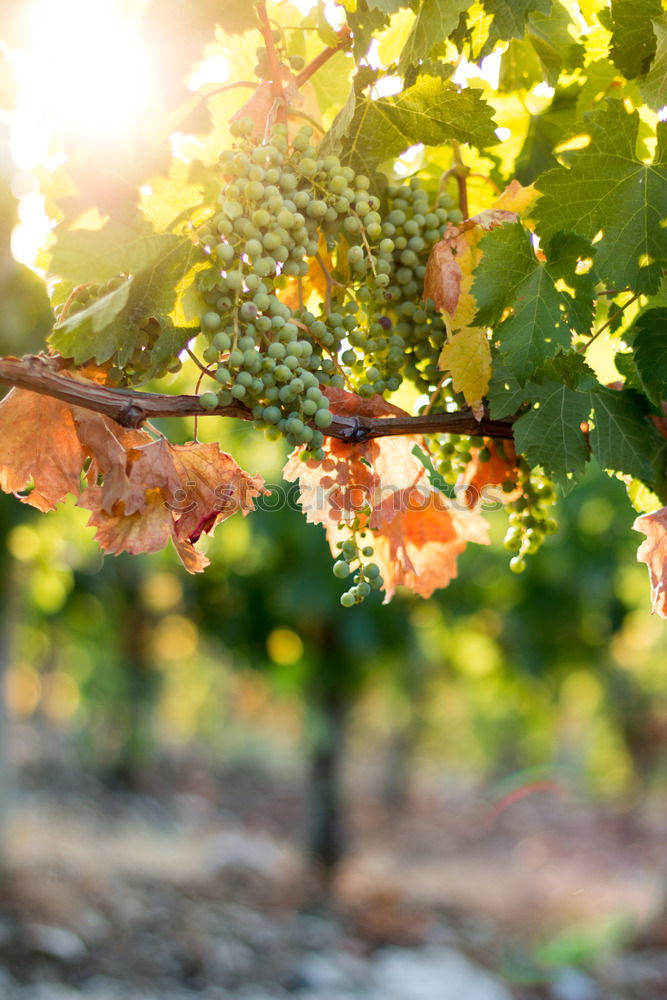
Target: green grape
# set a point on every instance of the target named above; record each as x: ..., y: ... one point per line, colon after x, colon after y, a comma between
x: 208, y: 400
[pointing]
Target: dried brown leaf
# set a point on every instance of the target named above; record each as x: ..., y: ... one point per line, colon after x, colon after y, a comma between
x: 653, y: 552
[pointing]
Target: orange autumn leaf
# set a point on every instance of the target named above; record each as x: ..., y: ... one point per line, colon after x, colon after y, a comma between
x: 418, y: 547
x: 175, y: 492
x: 140, y: 491
x: 145, y: 530
x: 353, y: 475
x: 213, y: 488
x: 653, y: 552
x: 417, y: 533
x: 39, y: 444
x: 482, y: 481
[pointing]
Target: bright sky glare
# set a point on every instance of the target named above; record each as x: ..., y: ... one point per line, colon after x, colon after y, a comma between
x: 84, y: 71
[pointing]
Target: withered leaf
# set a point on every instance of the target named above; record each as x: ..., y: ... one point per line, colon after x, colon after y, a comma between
x: 653, y: 552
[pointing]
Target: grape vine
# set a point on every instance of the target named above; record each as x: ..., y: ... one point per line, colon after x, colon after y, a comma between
x: 339, y: 256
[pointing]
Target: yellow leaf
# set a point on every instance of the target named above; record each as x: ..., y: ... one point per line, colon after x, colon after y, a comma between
x: 468, y: 357
x: 516, y: 197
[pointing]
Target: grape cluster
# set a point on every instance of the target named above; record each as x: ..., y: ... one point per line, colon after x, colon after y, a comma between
x: 399, y: 336
x: 283, y: 210
x: 355, y: 559
x: 451, y: 454
x: 316, y: 282
x: 278, y: 208
x: 529, y: 522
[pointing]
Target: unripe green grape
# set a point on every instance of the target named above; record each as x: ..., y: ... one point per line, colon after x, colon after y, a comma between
x: 341, y: 569
x: 347, y: 600
x: 208, y: 400
x: 210, y: 355
x: 323, y: 419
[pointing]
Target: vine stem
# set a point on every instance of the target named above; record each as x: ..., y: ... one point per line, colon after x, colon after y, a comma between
x: 49, y: 376
x: 344, y: 34
x: 274, y: 63
x: 611, y: 319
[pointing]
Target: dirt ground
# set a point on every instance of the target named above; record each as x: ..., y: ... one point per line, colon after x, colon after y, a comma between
x: 196, y: 885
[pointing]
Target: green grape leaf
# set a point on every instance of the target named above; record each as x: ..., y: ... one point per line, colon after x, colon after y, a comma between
x: 632, y: 39
x: 511, y: 275
x: 505, y: 395
x: 85, y: 333
x: 387, y: 6
x: 366, y: 132
x: 365, y: 24
x: 650, y: 355
x: 622, y: 439
x: 570, y: 368
x: 653, y: 87
x: 544, y: 133
x: 550, y: 433
x: 509, y: 18
x: 169, y: 344
x: 554, y: 45
x: 110, y: 328
x: 95, y: 255
x: 435, y: 21
x: 608, y: 190
x: 168, y: 202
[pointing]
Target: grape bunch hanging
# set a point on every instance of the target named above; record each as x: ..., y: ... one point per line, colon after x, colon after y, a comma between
x: 285, y: 211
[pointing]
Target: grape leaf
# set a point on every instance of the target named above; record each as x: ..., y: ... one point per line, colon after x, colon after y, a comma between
x: 366, y: 132
x: 451, y: 263
x: 39, y: 444
x: 653, y: 87
x: 511, y: 275
x: 365, y: 25
x: 621, y: 439
x: 83, y: 255
x: 435, y: 21
x: 418, y: 547
x: 547, y: 49
x: 505, y: 394
x: 112, y: 326
x: 416, y: 533
x: 482, y: 480
x: 632, y: 40
x: 509, y: 19
x: 387, y: 6
x: 653, y: 552
x: 650, y: 354
x: 549, y: 34
x: 467, y: 355
x: 608, y: 189
x: 550, y: 433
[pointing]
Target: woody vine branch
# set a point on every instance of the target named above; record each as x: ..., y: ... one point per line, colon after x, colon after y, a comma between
x: 48, y: 376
